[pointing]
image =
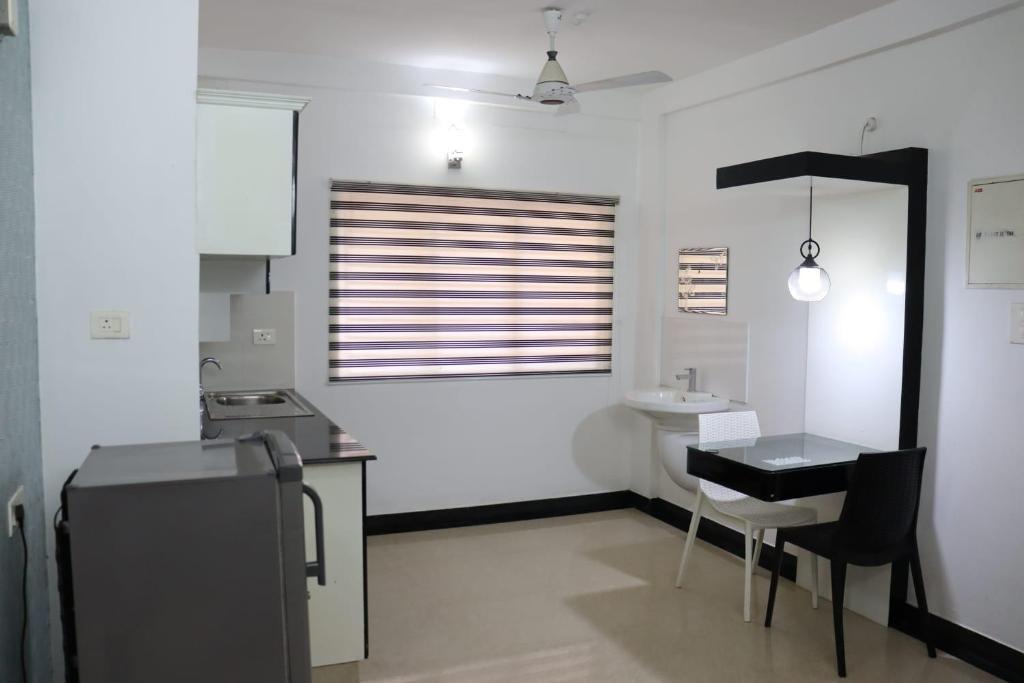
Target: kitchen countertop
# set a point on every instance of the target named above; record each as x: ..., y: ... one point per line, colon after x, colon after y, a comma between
x: 318, y: 440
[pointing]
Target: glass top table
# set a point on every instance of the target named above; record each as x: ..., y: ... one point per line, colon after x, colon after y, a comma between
x: 777, y: 467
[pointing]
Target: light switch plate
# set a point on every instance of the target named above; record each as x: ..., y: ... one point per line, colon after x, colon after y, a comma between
x: 1017, y: 323
x: 266, y: 335
x: 108, y: 324
x: 8, y: 17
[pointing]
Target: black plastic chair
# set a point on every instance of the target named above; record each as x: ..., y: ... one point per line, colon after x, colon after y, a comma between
x: 878, y: 525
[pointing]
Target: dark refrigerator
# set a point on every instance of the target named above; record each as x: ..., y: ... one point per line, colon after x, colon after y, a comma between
x: 187, y: 562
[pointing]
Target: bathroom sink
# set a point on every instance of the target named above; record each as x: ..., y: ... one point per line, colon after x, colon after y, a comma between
x: 675, y: 408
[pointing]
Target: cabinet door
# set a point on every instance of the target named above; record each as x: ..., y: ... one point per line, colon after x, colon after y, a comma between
x: 244, y: 176
x: 337, y: 631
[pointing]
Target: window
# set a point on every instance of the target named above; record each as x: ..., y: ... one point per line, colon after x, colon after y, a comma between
x: 459, y: 282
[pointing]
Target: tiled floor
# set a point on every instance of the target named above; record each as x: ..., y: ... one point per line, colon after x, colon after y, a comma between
x: 590, y: 598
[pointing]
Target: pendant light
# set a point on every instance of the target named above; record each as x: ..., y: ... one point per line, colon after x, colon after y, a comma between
x: 809, y: 281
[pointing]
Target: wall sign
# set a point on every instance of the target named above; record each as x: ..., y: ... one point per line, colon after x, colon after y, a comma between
x: 704, y: 280
x: 995, y: 233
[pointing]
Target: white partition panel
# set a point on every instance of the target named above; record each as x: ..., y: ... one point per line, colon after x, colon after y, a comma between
x: 855, y: 348
x: 855, y: 335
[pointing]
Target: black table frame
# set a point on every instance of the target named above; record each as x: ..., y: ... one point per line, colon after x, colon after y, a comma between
x: 772, y: 485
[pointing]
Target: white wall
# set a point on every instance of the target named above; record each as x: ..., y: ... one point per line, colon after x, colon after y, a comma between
x: 113, y: 105
x: 956, y: 92
x: 855, y: 335
x: 453, y: 443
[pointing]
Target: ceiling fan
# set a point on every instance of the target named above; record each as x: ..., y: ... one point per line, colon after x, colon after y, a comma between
x: 553, y: 87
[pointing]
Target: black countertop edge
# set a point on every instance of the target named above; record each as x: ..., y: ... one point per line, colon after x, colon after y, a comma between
x: 317, y: 438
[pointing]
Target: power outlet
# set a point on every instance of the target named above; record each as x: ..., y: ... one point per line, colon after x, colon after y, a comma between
x: 16, y: 499
x: 108, y: 324
x: 267, y: 335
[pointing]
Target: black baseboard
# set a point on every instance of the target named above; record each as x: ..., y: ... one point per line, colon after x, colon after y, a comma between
x: 972, y: 647
x: 427, y: 520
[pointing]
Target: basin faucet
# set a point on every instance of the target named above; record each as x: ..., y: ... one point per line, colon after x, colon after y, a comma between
x: 691, y: 375
x: 209, y: 360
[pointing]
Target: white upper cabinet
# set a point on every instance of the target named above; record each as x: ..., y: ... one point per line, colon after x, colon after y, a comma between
x: 246, y: 161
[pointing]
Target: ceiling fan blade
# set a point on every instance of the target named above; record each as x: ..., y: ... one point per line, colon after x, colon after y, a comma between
x: 643, y: 78
x: 570, y: 107
x: 453, y: 88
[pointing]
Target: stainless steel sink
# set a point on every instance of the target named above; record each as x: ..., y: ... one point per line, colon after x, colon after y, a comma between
x: 250, y: 400
x: 241, y: 405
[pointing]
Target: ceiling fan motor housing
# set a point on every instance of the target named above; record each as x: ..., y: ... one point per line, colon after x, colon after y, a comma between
x: 552, y: 86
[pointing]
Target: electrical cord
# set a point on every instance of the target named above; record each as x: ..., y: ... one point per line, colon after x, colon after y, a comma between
x: 19, y: 516
x: 870, y: 126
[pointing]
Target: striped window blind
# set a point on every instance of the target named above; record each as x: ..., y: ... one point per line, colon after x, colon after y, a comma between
x: 460, y: 282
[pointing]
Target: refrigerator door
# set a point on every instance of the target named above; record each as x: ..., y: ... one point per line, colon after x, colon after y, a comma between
x: 187, y: 563
x: 293, y: 552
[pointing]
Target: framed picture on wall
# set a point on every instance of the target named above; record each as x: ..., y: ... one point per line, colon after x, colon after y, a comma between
x: 704, y: 280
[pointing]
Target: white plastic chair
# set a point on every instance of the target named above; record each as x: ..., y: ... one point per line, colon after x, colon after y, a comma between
x: 756, y: 515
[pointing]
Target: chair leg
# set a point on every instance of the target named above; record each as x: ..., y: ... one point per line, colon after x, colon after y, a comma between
x: 838, y: 594
x: 691, y: 534
x: 814, y: 581
x: 780, y: 546
x: 758, y: 546
x: 922, y: 601
x: 748, y: 568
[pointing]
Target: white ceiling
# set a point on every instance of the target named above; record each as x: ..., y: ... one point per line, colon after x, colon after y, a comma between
x: 506, y: 37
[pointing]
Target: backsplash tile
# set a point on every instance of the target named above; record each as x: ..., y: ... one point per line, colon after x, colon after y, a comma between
x: 719, y: 349
x: 247, y: 365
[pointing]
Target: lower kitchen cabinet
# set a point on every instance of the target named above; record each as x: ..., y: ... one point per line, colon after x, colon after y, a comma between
x: 337, y: 611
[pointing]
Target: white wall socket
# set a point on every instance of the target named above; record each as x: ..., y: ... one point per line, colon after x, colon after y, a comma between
x: 12, y: 524
x: 266, y: 335
x: 108, y: 324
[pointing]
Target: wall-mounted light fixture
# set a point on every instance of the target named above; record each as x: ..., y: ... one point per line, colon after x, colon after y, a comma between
x: 454, y: 144
x: 809, y: 281
x: 450, y: 134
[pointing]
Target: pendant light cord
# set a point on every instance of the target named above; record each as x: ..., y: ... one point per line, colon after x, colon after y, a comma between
x: 809, y: 248
x: 870, y: 126
x: 810, y: 213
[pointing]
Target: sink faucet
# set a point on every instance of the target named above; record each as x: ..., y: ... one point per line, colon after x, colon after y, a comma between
x: 209, y: 360
x: 691, y: 375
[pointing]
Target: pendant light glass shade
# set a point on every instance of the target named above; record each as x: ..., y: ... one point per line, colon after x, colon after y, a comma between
x: 809, y: 281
